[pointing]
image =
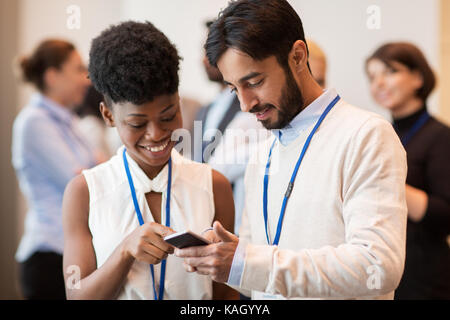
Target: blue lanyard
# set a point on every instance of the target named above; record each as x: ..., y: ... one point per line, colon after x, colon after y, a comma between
x: 141, y: 221
x: 294, y: 175
x: 416, y: 127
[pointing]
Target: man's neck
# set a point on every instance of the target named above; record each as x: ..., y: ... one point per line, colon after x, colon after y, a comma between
x: 310, y: 90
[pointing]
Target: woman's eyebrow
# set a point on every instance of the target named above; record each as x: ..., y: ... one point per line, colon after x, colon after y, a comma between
x: 167, y: 108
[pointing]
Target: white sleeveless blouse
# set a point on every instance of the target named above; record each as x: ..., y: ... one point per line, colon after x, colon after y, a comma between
x: 112, y: 217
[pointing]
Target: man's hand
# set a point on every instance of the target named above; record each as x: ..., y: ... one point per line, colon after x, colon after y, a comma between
x: 215, y: 259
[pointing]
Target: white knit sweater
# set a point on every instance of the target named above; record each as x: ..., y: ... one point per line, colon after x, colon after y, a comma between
x: 344, y: 229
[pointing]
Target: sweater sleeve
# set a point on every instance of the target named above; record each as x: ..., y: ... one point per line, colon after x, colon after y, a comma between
x: 437, y: 216
x: 370, y: 262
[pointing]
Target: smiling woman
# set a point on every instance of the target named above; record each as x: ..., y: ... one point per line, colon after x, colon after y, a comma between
x: 146, y: 129
x: 401, y: 81
x: 117, y: 214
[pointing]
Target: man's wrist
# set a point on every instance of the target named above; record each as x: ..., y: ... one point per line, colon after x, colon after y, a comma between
x: 237, y: 266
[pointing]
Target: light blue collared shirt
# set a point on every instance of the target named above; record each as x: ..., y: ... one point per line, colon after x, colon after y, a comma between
x: 305, y: 119
x: 47, y: 151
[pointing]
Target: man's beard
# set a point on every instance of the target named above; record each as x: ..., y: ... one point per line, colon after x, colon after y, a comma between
x: 291, y: 103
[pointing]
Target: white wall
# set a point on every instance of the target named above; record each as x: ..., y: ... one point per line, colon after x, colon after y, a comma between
x: 48, y: 18
x: 338, y: 26
x: 43, y: 19
x: 341, y: 30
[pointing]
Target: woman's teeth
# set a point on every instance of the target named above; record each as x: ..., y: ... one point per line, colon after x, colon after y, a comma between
x: 157, y: 149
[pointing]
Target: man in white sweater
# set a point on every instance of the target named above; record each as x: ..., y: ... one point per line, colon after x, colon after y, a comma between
x: 325, y: 211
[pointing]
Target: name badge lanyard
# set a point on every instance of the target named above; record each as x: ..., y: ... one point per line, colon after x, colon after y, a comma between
x: 141, y: 221
x: 415, y: 128
x: 293, y: 176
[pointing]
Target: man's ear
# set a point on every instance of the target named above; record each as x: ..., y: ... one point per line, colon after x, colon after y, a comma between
x: 299, y: 56
x: 107, y: 115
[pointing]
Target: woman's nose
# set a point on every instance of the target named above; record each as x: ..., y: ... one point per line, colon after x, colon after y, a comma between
x: 155, y: 132
x: 378, y: 82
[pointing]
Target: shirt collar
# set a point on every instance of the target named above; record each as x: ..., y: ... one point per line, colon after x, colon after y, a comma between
x: 305, y: 118
x: 57, y: 110
x: 143, y: 183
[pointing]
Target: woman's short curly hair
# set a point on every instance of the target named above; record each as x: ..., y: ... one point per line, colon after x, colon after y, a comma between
x: 133, y: 62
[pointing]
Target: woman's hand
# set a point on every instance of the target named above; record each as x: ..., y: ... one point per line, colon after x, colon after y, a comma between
x: 146, y: 244
x: 417, y: 202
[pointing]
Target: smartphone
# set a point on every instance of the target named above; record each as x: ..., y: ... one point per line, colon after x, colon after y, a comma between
x: 186, y: 239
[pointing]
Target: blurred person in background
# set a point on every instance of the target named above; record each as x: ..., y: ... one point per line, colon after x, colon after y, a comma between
x: 401, y: 81
x: 47, y: 151
x: 224, y: 114
x: 189, y: 109
x: 318, y: 63
x: 103, y: 139
x: 219, y: 113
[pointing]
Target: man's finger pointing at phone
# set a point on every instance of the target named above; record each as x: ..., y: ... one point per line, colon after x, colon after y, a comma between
x: 214, y: 259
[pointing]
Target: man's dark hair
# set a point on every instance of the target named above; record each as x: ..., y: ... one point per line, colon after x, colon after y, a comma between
x: 133, y: 62
x: 259, y: 28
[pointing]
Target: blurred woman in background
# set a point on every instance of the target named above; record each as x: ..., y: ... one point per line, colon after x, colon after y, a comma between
x: 104, y: 139
x: 47, y: 151
x: 401, y: 81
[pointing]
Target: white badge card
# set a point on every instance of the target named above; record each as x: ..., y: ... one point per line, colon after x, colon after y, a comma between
x: 258, y: 295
